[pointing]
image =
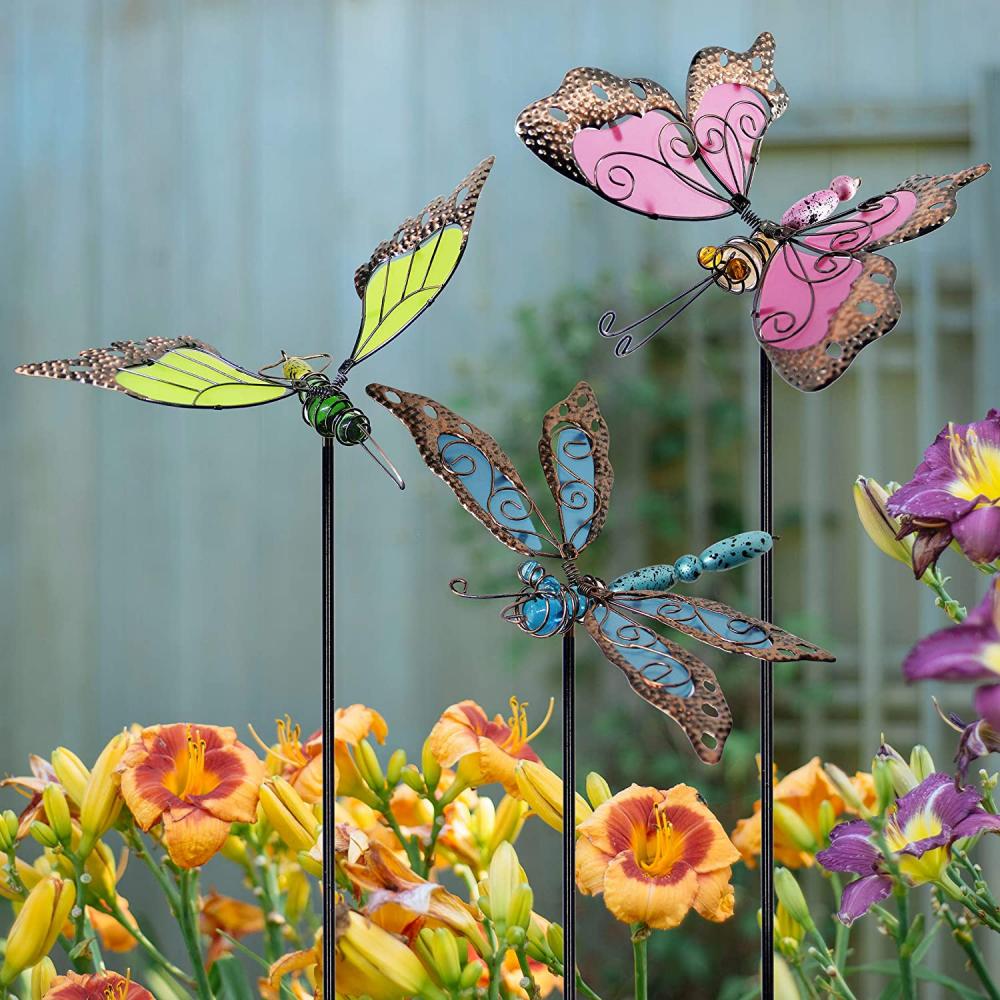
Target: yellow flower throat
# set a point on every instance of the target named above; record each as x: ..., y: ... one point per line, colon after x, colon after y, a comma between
x: 190, y: 776
x: 119, y: 991
x: 977, y: 466
x: 659, y: 854
x: 518, y: 722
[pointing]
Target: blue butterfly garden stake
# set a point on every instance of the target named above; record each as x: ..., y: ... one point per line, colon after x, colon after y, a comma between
x: 574, y: 451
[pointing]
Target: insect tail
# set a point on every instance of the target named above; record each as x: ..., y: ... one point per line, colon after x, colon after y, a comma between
x: 378, y: 455
x: 625, y: 335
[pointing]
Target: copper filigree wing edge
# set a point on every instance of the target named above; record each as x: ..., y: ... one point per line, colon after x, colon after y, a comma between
x: 753, y: 68
x: 579, y: 409
x: 587, y: 98
x: 703, y: 714
x: 785, y: 646
x: 937, y: 201
x: 99, y: 366
x: 457, y: 209
x: 870, y: 311
x: 426, y: 419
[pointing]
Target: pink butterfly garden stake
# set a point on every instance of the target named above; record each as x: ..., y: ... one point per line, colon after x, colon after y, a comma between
x: 821, y: 293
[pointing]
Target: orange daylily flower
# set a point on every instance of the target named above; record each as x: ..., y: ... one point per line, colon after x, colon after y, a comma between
x: 402, y: 902
x: 112, y: 935
x: 101, y: 986
x: 485, y: 750
x: 656, y: 855
x: 224, y: 915
x: 802, y: 790
x: 300, y: 764
x: 196, y: 780
x: 351, y: 725
x: 308, y: 961
x: 31, y: 787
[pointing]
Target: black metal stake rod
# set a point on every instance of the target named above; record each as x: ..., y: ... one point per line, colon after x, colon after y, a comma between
x: 569, y: 813
x: 766, y: 695
x: 328, y: 790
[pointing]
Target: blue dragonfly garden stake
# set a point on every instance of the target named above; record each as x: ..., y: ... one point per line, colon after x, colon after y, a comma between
x: 574, y: 456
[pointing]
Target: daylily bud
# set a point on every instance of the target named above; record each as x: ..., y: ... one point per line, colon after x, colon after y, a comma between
x: 37, y: 926
x: 788, y: 932
x: 235, y: 849
x: 507, y: 822
x: 880, y: 526
x: 790, y: 895
x: 57, y: 811
x: 444, y: 949
x: 554, y: 937
x: 28, y: 875
x: 394, y: 769
x: 471, y: 975
x: 505, y: 877
x: 598, y: 790
x: 297, y: 893
x: 921, y: 762
x: 288, y: 813
x: 785, y: 987
x: 827, y: 817
x: 793, y: 826
x: 845, y: 789
x: 41, y: 978
x: 8, y: 830
x: 72, y: 773
x: 430, y: 766
x: 311, y: 863
x: 102, y: 799
x: 542, y: 789
x: 43, y: 834
x: 519, y: 913
x: 368, y: 765
x: 884, y: 792
x: 903, y: 779
x: 412, y: 778
x: 367, y: 946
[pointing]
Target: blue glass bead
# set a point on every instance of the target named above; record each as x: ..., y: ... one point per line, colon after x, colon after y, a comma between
x: 550, y: 584
x: 543, y: 616
x: 688, y: 568
x: 529, y: 569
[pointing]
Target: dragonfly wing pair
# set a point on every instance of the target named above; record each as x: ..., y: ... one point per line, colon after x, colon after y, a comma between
x: 823, y: 294
x: 574, y: 454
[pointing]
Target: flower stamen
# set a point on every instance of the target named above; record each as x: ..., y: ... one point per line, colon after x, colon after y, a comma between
x: 518, y: 723
x: 660, y: 856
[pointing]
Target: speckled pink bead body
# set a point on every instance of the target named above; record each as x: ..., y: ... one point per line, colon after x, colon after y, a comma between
x: 820, y: 204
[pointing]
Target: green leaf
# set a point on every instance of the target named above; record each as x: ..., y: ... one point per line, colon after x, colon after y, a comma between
x: 891, y: 968
x: 233, y: 980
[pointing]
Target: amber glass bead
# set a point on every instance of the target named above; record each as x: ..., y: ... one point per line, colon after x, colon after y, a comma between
x: 708, y: 257
x: 737, y: 269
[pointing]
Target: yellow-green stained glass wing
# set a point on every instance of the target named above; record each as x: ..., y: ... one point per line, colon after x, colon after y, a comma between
x: 178, y: 372
x: 192, y: 376
x: 406, y: 273
x: 404, y: 287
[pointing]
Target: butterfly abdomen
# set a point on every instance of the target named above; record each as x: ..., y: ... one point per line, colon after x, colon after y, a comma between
x: 331, y: 413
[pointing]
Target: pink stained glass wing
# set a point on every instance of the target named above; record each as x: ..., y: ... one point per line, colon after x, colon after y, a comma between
x: 629, y: 140
x: 649, y: 164
x: 814, y: 312
x: 917, y: 206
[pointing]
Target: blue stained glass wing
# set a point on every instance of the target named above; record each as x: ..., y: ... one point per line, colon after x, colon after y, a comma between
x: 665, y: 676
x: 574, y: 454
x: 480, y: 475
x: 719, y: 625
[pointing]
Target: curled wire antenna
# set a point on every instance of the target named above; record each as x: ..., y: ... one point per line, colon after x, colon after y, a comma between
x: 626, y: 336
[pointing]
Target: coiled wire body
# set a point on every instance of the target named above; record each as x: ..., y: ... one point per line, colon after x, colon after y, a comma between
x: 325, y: 407
x: 548, y: 607
x: 753, y: 251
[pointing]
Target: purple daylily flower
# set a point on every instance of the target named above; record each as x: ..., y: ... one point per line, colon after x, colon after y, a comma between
x: 954, y: 495
x: 920, y: 828
x: 979, y: 738
x: 969, y: 651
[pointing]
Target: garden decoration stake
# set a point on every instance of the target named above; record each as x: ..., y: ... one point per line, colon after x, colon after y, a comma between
x: 574, y: 454
x: 820, y: 291
x: 402, y: 278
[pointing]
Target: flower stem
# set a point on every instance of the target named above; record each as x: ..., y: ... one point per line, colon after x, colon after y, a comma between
x: 584, y: 990
x: 837, y: 982
x: 147, y: 946
x: 188, y: 920
x: 962, y: 934
x: 842, y: 932
x: 955, y: 611
x: 906, y: 981
x: 640, y: 934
